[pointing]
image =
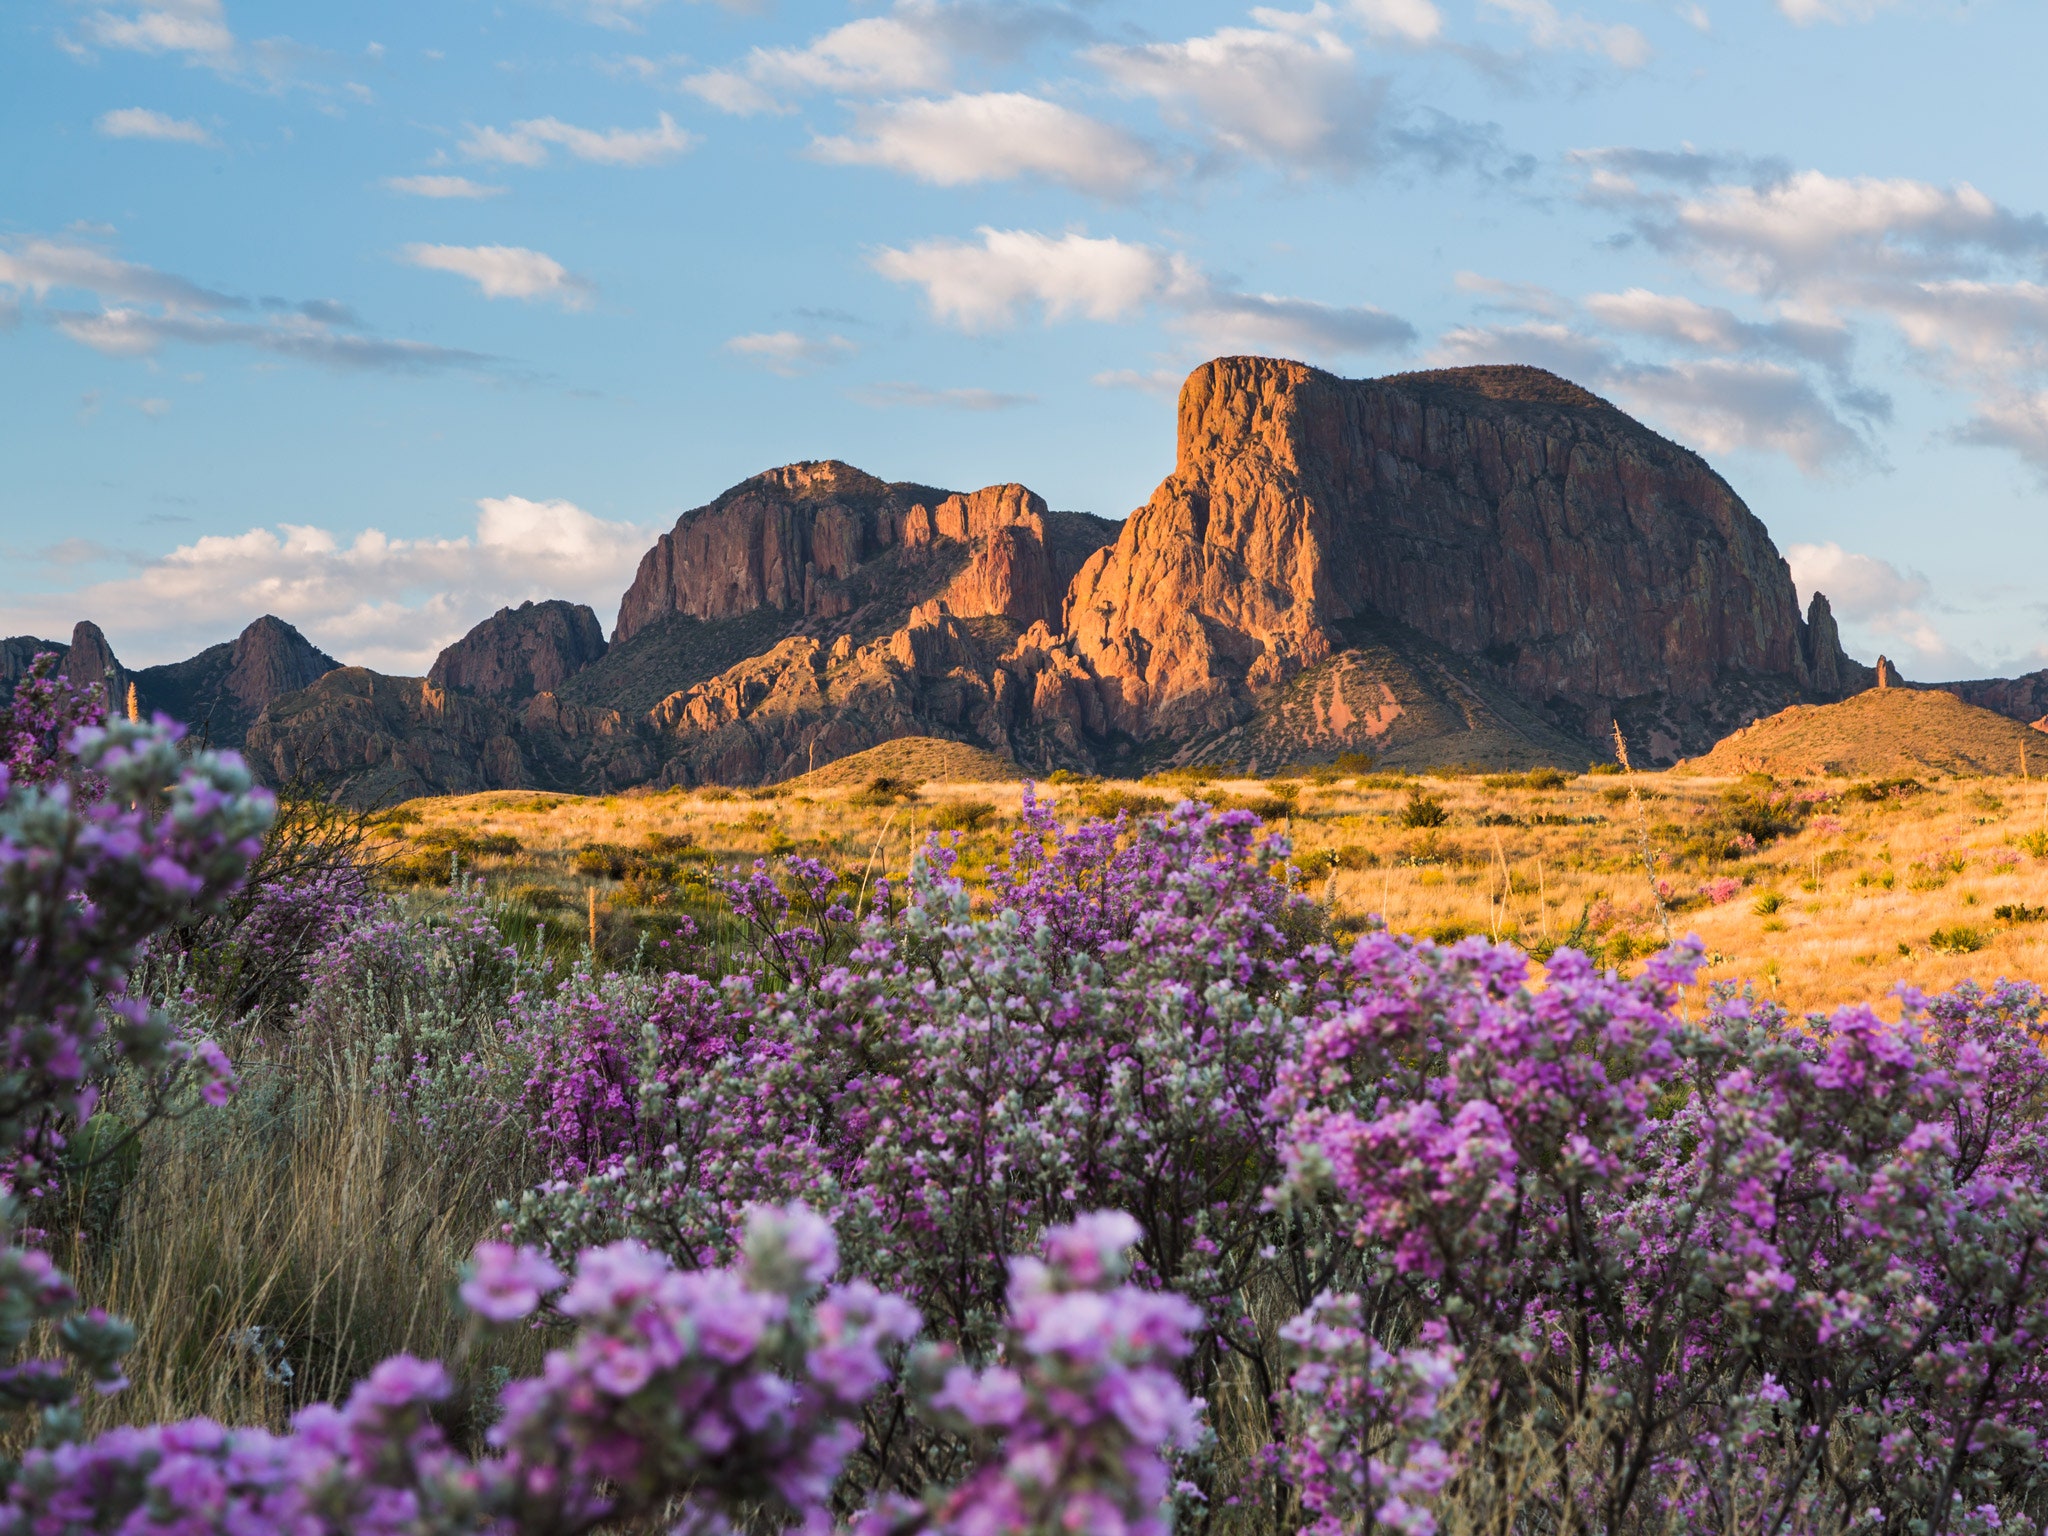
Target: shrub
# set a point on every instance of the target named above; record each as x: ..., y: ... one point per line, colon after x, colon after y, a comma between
x: 883, y: 789
x: 2035, y: 843
x: 963, y: 815
x: 1423, y: 810
x: 1535, y: 778
x: 601, y: 861
x: 1769, y: 902
x: 1722, y: 890
x: 1112, y: 803
x: 2019, y: 912
x: 1958, y: 940
x: 1603, y: 768
x: 1879, y: 791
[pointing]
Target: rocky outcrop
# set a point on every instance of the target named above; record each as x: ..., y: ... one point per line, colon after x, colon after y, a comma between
x: 90, y: 662
x: 819, y: 541
x: 18, y: 654
x: 374, y: 740
x: 1503, y: 514
x: 518, y: 652
x: 2023, y: 698
x: 219, y: 693
x: 786, y: 540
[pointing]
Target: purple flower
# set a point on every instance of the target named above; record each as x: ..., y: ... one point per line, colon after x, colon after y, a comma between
x: 507, y: 1283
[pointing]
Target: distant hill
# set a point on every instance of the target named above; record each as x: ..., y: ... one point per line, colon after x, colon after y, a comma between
x: 1881, y: 733
x: 926, y: 759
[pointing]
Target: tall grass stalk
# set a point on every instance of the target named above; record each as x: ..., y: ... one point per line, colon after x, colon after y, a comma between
x: 270, y: 1251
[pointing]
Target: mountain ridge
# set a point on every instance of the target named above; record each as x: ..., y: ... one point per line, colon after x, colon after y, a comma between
x: 1488, y: 565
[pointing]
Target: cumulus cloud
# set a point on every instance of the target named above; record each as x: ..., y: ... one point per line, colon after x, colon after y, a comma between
x: 1552, y: 31
x: 981, y: 285
x: 994, y: 136
x: 874, y: 56
x: 142, y: 123
x: 790, y: 353
x: 1288, y: 93
x: 1715, y: 329
x: 1954, y: 274
x: 1718, y: 405
x: 140, y: 310
x: 1714, y: 404
x: 441, y: 187
x: 196, y: 28
x: 371, y: 599
x: 1880, y: 608
x: 505, y: 272
x: 918, y: 396
x: 526, y: 143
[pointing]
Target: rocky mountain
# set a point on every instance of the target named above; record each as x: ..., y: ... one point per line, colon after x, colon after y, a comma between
x: 218, y: 693
x: 518, y: 652
x: 1504, y: 514
x: 1484, y: 565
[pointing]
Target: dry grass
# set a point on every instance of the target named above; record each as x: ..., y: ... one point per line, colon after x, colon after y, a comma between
x: 1860, y: 894
x: 271, y: 1251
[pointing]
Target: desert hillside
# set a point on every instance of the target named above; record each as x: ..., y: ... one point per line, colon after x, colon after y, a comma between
x: 1882, y: 732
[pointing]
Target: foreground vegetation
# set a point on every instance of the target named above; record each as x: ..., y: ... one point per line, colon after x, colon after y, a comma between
x: 1061, y: 1174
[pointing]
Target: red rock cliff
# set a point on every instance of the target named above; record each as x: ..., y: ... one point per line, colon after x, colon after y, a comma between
x: 1501, y: 512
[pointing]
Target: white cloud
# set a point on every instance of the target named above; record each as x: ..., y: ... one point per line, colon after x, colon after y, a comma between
x: 1714, y: 329
x: 526, y: 143
x: 981, y: 286
x: 155, y: 407
x: 142, y: 309
x: 1805, y: 13
x: 197, y: 27
x: 40, y: 266
x: 505, y: 272
x: 2018, y: 422
x: 1410, y: 21
x: 142, y: 123
x: 1288, y: 93
x: 1553, y: 31
x: 790, y: 353
x: 1719, y: 405
x: 917, y: 396
x: 874, y: 56
x: 441, y: 186
x: 1715, y: 405
x: 1818, y: 233
x: 993, y: 137
x: 371, y: 600
x: 1955, y: 274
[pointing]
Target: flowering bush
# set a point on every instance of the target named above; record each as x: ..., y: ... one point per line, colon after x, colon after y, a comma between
x: 1360, y: 1241
x: 1718, y: 1275
x: 1108, y: 1040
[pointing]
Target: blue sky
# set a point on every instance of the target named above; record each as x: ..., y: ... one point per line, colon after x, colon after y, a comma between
x: 378, y: 316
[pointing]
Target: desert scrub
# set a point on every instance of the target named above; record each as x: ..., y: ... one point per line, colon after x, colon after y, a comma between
x: 1423, y: 810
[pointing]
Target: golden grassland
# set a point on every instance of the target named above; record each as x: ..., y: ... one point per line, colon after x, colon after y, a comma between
x: 1851, y: 888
